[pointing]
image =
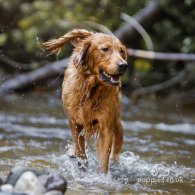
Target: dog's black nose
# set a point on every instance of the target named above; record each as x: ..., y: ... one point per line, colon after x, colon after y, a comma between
x: 122, y: 66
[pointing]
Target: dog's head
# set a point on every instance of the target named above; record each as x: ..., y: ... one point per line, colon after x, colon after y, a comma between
x: 104, y: 56
x: 101, y: 55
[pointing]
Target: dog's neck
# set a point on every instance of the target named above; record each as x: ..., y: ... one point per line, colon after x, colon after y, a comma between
x: 96, y: 90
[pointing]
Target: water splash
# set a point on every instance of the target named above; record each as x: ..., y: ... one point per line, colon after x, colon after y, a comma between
x: 130, y: 173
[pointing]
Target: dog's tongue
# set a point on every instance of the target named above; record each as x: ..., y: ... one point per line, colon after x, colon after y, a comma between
x: 114, y: 79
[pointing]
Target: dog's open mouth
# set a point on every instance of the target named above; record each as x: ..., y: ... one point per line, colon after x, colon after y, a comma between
x: 109, y: 79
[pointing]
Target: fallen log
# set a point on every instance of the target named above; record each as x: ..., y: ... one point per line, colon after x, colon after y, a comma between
x: 55, y: 68
x: 185, y: 75
x: 13, y: 65
x: 143, y: 91
x: 31, y: 78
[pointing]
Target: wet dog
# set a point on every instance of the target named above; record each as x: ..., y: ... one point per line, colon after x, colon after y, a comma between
x: 91, y: 91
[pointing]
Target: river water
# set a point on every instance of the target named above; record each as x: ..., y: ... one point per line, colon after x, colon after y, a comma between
x: 157, y: 156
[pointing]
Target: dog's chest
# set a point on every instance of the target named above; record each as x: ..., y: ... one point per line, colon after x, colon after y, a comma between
x: 86, y: 103
x: 95, y: 112
x: 91, y: 108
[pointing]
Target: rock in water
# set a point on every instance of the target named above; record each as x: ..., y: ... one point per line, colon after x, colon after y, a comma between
x: 11, y: 193
x: 6, y: 188
x: 16, y: 172
x: 29, y: 183
x: 53, y: 192
x: 53, y: 182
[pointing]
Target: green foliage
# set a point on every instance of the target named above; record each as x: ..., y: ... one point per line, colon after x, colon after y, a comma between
x: 3, y: 38
x: 46, y: 19
x: 176, y: 32
x: 142, y: 66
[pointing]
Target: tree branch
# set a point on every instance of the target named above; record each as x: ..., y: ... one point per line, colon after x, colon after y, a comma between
x: 99, y: 27
x: 161, y: 56
x: 143, y: 91
x: 146, y: 17
x: 140, y: 30
x: 186, y: 74
x: 28, y: 79
x: 13, y: 64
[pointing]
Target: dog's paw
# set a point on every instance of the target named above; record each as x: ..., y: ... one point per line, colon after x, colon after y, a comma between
x: 71, y: 151
x: 82, y: 164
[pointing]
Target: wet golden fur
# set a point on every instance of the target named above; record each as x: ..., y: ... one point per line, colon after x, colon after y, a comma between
x: 92, y: 105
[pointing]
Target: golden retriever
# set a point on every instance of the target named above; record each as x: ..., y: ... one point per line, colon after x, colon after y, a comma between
x: 91, y: 91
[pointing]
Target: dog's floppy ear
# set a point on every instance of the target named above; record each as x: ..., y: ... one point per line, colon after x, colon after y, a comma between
x: 80, y: 53
x: 72, y: 37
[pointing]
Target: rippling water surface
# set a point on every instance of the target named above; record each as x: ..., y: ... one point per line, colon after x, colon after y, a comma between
x: 157, y: 157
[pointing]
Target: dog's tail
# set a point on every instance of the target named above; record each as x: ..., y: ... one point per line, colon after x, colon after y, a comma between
x: 72, y: 37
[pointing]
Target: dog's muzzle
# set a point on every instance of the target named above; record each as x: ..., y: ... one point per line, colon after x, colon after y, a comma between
x: 122, y: 67
x: 109, y: 79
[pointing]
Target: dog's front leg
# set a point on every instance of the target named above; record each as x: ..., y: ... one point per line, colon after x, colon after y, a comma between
x: 117, y: 141
x: 78, y: 139
x: 104, y: 149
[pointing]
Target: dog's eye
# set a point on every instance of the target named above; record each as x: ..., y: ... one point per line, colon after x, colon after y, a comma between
x: 105, y: 49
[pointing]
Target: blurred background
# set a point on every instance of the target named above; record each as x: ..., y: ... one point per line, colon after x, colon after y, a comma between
x: 169, y: 27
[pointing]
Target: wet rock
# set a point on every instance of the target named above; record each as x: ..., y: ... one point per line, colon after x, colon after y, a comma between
x: 53, y: 192
x: 11, y: 193
x: 16, y: 172
x: 32, y: 182
x: 53, y: 182
x: 6, y: 188
x: 29, y: 183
